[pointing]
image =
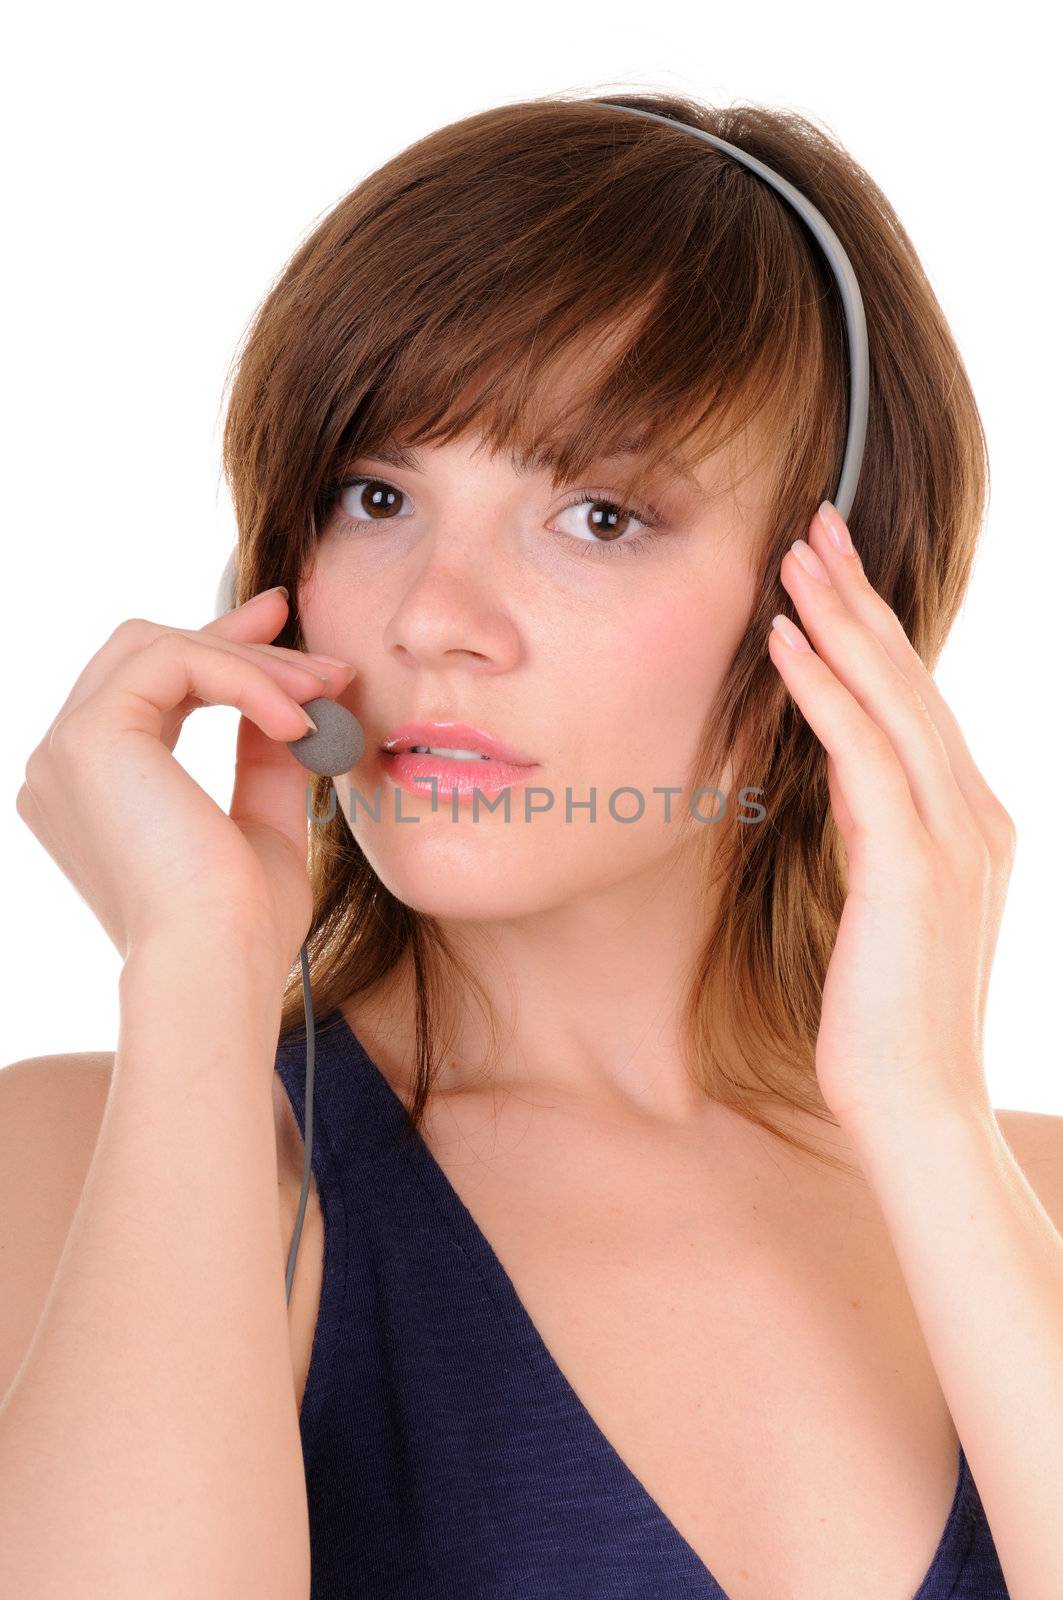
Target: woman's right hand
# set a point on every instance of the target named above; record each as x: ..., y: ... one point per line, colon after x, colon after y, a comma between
x: 142, y: 843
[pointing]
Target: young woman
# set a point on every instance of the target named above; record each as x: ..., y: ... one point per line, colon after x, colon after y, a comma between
x: 663, y: 1239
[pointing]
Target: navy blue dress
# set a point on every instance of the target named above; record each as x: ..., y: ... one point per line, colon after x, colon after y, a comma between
x: 446, y: 1454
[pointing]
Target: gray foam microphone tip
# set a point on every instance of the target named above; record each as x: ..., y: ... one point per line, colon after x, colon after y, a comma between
x: 337, y: 746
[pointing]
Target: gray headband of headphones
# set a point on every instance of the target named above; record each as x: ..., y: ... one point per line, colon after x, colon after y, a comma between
x: 852, y: 305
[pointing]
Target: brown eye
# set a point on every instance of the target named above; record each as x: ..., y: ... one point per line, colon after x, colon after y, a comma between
x: 608, y: 521
x: 365, y: 500
x: 605, y: 518
x: 373, y: 496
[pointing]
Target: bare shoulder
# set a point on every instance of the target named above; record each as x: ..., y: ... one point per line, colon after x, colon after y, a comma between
x: 1035, y: 1139
x: 60, y: 1099
x: 51, y: 1112
x: 81, y: 1061
x: 51, y: 1108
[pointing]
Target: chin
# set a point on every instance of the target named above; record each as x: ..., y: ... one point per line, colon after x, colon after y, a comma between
x: 468, y: 874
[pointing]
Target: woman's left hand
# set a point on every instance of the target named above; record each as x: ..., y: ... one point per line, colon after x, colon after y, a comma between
x: 930, y: 849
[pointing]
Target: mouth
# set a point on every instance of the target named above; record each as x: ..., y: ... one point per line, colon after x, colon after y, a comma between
x: 453, y: 741
x: 452, y: 758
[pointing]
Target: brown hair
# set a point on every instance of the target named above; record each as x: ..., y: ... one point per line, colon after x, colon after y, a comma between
x: 447, y: 292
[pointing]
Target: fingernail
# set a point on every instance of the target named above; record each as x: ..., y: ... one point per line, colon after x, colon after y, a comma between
x: 835, y: 526
x: 261, y: 595
x: 793, y: 636
x: 309, y: 721
x: 810, y: 561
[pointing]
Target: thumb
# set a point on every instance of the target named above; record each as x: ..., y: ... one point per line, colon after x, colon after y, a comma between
x: 269, y: 786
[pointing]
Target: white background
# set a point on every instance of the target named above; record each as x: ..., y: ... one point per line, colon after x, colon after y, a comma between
x: 161, y: 166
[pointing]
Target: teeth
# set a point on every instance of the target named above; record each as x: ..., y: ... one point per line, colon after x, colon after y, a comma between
x: 454, y: 755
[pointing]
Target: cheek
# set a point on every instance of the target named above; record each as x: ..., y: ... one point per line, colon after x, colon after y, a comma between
x: 333, y: 612
x: 659, y: 689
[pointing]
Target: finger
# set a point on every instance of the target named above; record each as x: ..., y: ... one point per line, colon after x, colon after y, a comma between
x: 244, y: 626
x: 857, y: 659
x: 884, y: 819
x: 848, y: 576
x: 328, y: 670
x: 145, y: 689
x: 304, y: 676
x: 246, y: 622
x: 262, y: 617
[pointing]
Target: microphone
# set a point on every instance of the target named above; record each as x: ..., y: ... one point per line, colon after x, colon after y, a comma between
x: 337, y: 746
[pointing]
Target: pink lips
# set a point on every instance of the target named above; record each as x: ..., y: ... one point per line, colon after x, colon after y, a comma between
x: 454, y: 736
x: 430, y: 775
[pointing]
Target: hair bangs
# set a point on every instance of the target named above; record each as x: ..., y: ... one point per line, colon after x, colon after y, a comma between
x: 707, y: 334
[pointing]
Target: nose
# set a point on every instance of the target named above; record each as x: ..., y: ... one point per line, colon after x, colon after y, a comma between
x: 452, y: 614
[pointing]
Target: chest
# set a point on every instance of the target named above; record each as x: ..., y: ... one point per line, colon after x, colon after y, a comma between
x: 735, y: 1325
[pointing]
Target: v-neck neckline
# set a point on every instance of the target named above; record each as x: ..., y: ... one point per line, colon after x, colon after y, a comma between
x: 951, y: 1551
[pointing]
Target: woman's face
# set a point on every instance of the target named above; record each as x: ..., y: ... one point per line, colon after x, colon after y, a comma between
x: 556, y: 621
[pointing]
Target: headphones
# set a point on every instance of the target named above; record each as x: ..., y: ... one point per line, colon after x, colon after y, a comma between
x: 339, y: 743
